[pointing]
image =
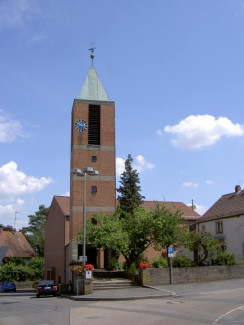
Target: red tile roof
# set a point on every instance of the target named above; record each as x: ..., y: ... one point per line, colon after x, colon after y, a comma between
x: 18, y: 244
x: 188, y: 213
x: 229, y: 205
x: 64, y: 203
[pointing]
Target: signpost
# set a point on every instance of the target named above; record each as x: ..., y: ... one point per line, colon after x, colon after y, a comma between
x: 170, y: 255
x: 83, y: 259
x: 170, y: 251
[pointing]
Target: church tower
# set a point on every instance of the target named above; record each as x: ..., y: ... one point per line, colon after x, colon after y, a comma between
x: 92, y: 145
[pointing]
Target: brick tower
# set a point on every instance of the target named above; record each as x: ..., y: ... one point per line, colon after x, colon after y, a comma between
x: 92, y: 145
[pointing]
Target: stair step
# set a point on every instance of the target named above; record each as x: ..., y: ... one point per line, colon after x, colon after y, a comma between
x: 109, y: 284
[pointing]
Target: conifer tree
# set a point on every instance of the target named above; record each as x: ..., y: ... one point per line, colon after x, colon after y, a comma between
x: 129, y: 191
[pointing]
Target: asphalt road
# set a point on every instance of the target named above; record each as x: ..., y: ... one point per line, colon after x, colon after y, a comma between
x: 216, y: 303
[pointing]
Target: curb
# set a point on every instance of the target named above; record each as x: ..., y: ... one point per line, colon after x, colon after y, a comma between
x: 81, y: 298
x: 121, y: 298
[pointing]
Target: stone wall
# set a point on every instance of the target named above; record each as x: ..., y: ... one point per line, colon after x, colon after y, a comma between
x: 153, y: 277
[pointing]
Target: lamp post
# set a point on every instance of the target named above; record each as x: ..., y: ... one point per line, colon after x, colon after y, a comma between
x: 82, y: 173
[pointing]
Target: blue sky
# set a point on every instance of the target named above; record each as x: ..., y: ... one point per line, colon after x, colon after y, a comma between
x: 175, y: 70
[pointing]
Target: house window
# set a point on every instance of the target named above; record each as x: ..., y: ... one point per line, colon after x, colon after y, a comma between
x: 219, y: 227
x: 94, y: 189
x: 203, y: 228
x: 94, y: 158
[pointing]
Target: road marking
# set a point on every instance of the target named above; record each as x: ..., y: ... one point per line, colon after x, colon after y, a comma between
x: 229, y: 312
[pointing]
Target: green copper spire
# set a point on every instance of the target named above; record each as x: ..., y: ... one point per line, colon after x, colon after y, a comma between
x: 93, y: 88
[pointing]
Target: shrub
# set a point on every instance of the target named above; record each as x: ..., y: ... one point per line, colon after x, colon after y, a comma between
x: 225, y: 258
x: 8, y: 272
x: 12, y: 272
x: 132, y: 269
x: 182, y: 261
x: 113, y: 263
x: 16, y: 260
x: 160, y: 263
x: 36, y: 267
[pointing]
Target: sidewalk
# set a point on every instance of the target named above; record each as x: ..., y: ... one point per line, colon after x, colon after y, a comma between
x: 135, y: 293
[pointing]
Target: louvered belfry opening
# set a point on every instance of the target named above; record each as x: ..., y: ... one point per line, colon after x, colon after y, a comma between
x: 94, y: 125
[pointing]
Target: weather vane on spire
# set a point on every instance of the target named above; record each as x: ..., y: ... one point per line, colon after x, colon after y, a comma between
x: 92, y: 49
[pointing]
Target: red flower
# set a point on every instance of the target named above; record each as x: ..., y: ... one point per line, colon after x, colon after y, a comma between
x: 144, y: 265
x: 89, y: 267
x: 77, y: 269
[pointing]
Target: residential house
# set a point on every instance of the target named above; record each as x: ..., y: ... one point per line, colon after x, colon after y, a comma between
x: 14, y: 244
x: 225, y: 220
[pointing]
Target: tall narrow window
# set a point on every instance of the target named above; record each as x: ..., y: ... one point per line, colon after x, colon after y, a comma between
x: 219, y: 227
x: 94, y: 125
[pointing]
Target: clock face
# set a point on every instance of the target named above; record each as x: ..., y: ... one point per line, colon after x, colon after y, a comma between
x: 81, y: 125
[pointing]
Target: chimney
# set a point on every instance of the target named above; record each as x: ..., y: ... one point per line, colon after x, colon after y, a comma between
x: 237, y: 189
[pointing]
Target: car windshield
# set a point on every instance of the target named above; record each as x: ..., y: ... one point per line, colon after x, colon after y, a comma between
x: 46, y: 282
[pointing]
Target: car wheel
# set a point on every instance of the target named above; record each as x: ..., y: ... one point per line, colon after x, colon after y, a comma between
x: 14, y: 290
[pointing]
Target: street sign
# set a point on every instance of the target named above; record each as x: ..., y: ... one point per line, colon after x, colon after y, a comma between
x: 88, y: 274
x: 82, y: 258
x: 170, y: 251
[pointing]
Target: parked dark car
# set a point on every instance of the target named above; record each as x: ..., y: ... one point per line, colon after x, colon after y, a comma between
x: 46, y: 287
x: 8, y: 286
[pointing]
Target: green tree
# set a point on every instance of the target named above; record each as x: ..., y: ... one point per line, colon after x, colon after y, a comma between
x: 7, y: 228
x: 37, y: 266
x: 106, y: 233
x: 129, y: 192
x: 131, y: 236
x: 168, y: 227
x: 127, y: 236
x: 35, y: 232
x: 204, y: 246
x: 138, y: 231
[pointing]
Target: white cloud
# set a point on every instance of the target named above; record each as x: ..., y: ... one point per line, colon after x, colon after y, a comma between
x: 159, y: 132
x: 197, y: 131
x: 140, y: 166
x: 14, y: 13
x: 201, y: 209
x: 10, y: 129
x: 189, y: 184
x: 14, y: 182
x: 209, y: 182
x: 120, y: 166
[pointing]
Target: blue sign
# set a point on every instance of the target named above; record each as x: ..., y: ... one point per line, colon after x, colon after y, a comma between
x: 170, y: 251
